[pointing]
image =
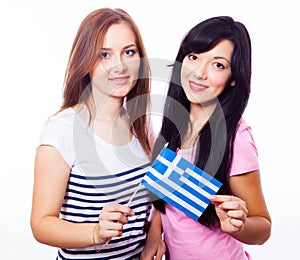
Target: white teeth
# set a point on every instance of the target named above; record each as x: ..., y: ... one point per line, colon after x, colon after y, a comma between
x: 197, y: 86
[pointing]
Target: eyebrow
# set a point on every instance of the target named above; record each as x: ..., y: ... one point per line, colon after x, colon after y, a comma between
x: 126, y: 47
x: 223, y: 58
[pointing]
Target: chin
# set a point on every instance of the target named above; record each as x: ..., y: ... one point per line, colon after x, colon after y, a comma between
x: 122, y: 91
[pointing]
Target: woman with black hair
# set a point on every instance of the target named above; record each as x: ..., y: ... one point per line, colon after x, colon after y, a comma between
x: 207, y: 96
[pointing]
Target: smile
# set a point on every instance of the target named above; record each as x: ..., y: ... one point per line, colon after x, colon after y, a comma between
x: 119, y: 80
x: 197, y: 86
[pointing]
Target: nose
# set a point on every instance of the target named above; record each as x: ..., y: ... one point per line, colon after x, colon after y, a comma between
x: 118, y: 65
x: 200, y: 71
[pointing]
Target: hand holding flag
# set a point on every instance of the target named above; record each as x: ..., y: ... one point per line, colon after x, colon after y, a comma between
x: 180, y: 183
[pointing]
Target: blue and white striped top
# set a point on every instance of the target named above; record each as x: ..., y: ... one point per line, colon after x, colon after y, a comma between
x: 101, y: 174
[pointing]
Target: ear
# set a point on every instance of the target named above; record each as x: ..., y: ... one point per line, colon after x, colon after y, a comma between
x: 232, y: 84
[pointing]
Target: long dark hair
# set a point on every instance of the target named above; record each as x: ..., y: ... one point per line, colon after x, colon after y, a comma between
x: 216, y: 139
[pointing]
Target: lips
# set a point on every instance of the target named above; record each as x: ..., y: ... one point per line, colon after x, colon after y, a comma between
x: 198, y: 87
x: 119, y: 80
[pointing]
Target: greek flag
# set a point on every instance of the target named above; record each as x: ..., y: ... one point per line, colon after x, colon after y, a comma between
x: 180, y: 183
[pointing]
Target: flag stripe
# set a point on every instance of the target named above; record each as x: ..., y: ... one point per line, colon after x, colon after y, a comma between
x: 185, y: 184
x: 170, y: 165
x: 206, y: 178
x: 181, y: 205
x: 183, y: 165
x: 172, y: 188
x: 198, y: 182
x: 180, y: 183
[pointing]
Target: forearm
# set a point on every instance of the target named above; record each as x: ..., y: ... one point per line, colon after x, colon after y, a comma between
x: 63, y: 234
x: 249, y: 207
x: 256, y: 231
x: 156, y: 224
x: 155, y: 246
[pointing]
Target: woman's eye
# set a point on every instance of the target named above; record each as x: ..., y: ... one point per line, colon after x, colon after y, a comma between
x: 104, y: 55
x: 192, y: 57
x: 130, y: 52
x: 219, y: 65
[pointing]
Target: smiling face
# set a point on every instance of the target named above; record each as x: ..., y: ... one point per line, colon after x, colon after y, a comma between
x: 205, y: 75
x: 115, y: 72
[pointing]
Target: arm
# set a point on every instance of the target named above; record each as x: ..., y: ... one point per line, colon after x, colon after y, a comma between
x: 244, y: 216
x: 155, y: 246
x: 51, y: 175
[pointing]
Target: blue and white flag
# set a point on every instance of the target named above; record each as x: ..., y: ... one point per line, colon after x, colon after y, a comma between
x: 180, y: 183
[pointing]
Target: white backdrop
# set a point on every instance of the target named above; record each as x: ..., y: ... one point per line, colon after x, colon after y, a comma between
x: 36, y: 39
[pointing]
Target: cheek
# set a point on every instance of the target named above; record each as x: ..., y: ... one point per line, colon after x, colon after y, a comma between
x: 218, y: 83
x: 187, y: 68
x: 134, y: 67
x: 185, y: 73
x: 98, y: 72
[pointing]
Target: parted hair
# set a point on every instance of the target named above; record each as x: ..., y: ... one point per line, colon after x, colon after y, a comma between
x: 84, y: 53
x: 215, y: 142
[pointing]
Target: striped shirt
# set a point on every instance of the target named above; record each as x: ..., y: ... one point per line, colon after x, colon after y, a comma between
x: 101, y: 174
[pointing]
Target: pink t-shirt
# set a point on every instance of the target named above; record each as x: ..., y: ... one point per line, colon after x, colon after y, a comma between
x: 188, y: 239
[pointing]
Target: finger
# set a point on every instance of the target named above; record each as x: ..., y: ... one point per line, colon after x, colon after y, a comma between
x: 113, y: 216
x: 105, y: 234
x: 110, y: 225
x: 143, y: 257
x: 118, y: 208
x: 236, y: 223
x: 231, y: 205
x: 147, y: 254
x: 109, y: 233
x: 237, y: 214
x: 234, y: 206
x: 109, y: 229
x: 223, y: 198
x: 160, y: 252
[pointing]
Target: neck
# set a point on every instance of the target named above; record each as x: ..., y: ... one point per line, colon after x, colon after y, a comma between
x: 108, y: 110
x: 199, y: 115
x: 106, y: 107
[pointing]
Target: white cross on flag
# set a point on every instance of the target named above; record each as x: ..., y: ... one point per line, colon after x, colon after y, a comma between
x: 180, y: 183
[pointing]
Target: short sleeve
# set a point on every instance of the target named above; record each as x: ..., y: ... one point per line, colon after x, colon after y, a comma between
x: 245, y: 155
x: 59, y: 134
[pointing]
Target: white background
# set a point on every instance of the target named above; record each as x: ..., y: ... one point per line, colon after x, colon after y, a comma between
x: 36, y: 39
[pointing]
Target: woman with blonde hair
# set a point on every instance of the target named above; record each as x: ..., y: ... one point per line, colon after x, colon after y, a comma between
x: 91, y: 153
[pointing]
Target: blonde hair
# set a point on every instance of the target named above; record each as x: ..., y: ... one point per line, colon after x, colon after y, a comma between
x: 84, y: 53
